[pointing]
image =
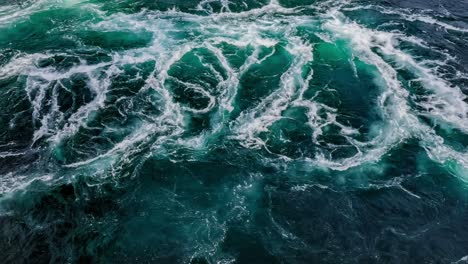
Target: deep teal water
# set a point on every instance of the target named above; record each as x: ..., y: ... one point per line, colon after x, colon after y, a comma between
x: 215, y: 131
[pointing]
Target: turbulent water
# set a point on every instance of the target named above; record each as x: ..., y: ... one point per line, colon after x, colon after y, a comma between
x: 216, y: 131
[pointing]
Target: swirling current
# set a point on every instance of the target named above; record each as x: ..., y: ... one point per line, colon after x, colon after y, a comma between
x: 233, y: 131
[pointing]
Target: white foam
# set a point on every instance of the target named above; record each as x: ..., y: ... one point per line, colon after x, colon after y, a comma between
x: 259, y: 119
x: 12, y: 13
x: 393, y: 102
x: 21, y: 64
x: 12, y: 182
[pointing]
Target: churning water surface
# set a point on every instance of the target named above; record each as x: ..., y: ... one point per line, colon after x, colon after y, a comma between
x: 216, y: 131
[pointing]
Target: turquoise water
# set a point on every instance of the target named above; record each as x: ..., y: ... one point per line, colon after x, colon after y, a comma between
x: 215, y: 131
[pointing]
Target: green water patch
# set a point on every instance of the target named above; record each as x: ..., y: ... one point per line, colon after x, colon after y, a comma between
x: 67, y: 27
x: 219, y: 6
x: 194, y: 81
x: 345, y: 83
x: 291, y: 136
x: 46, y: 30
x: 297, y: 3
x: 236, y: 56
x: 263, y: 78
x: 115, y: 40
x: 309, y: 31
x: 207, y: 7
x: 137, y: 6
x: 337, y: 71
x: 199, y: 66
x: 190, y: 195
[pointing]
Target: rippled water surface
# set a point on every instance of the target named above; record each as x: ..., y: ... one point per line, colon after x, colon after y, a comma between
x: 216, y: 131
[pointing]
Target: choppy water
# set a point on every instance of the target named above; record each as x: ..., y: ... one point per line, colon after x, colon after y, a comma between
x: 216, y: 131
